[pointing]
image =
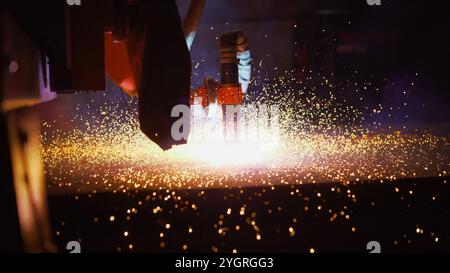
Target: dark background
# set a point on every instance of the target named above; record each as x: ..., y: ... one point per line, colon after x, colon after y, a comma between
x: 385, y: 55
x: 397, y: 47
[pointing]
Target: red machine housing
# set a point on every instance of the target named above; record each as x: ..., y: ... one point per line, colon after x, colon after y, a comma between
x: 227, y: 94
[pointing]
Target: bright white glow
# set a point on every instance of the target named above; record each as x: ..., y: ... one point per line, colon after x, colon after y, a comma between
x: 207, y: 142
x: 224, y: 153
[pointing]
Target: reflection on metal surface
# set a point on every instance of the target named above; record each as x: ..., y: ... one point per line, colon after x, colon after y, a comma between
x: 24, y: 135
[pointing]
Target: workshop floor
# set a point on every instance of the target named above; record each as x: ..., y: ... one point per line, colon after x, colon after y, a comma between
x: 403, y: 216
x: 113, y: 190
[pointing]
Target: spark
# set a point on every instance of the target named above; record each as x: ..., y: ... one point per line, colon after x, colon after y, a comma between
x: 128, y: 160
x: 313, y: 140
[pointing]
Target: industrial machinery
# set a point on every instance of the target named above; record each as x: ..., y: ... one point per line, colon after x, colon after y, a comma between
x: 235, y: 70
x: 140, y: 45
x: 62, y: 47
x: 57, y: 47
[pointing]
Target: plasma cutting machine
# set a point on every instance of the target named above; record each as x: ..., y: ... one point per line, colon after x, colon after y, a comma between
x: 235, y: 71
x: 52, y: 47
x: 57, y: 47
x: 141, y: 45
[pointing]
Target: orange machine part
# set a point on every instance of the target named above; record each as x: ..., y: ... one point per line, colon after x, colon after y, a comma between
x: 118, y: 65
x: 200, y: 93
x: 229, y: 95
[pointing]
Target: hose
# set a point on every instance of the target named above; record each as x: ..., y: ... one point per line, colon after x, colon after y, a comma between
x: 235, y: 61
